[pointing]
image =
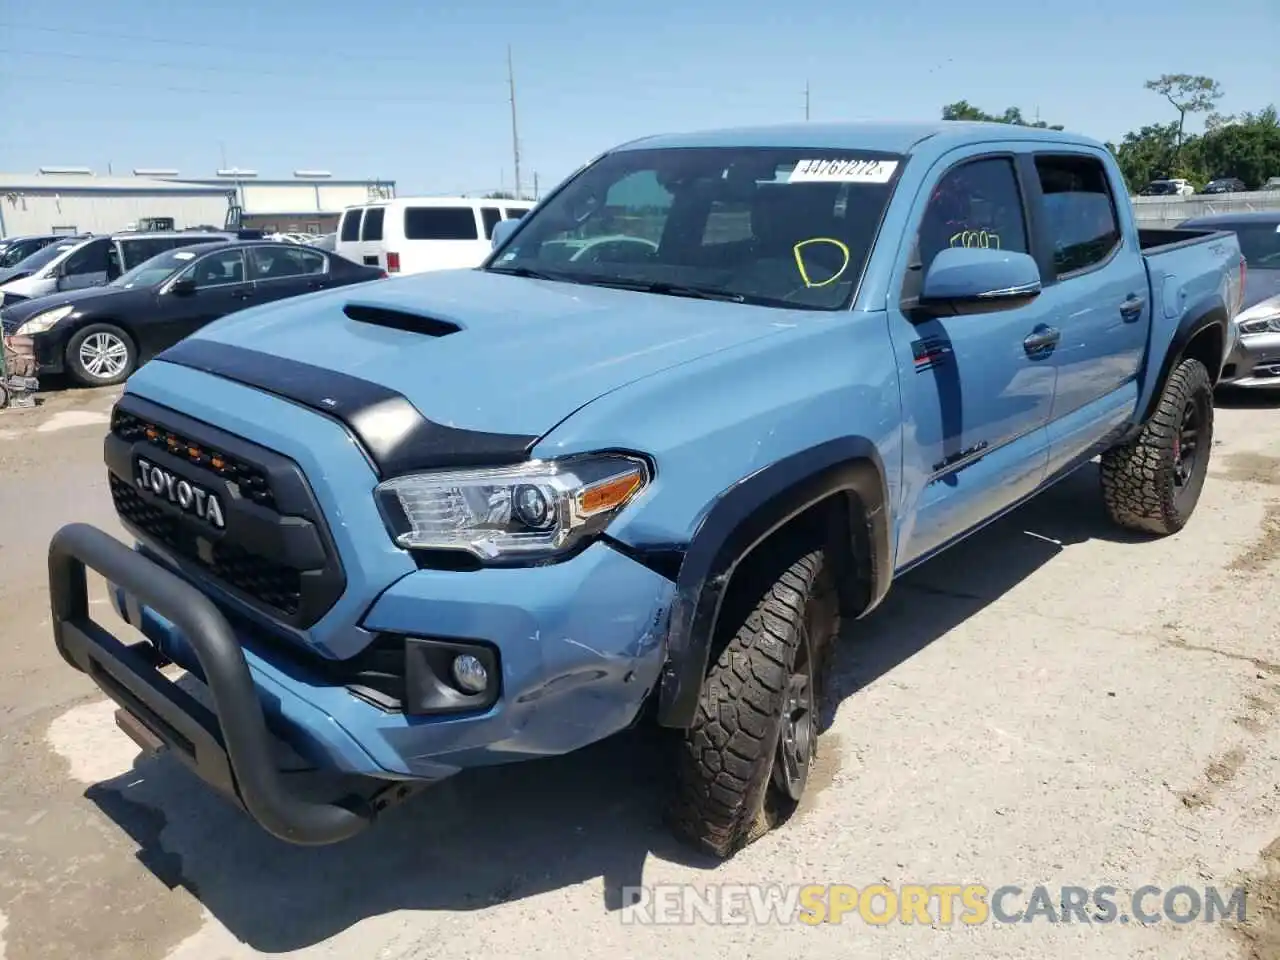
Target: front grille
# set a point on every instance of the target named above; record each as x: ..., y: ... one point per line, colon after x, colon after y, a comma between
x: 252, y: 481
x: 273, y: 551
x: 274, y: 584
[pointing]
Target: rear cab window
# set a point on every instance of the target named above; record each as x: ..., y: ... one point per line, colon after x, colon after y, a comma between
x: 440, y: 223
x: 350, y: 230
x: 1079, y: 211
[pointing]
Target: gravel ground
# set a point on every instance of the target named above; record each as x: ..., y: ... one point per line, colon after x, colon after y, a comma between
x: 1049, y: 703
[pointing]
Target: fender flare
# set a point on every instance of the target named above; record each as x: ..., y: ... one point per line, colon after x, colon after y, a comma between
x: 1203, y: 316
x: 740, y: 519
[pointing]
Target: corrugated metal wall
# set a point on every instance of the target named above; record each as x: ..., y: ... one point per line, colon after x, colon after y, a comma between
x: 105, y: 213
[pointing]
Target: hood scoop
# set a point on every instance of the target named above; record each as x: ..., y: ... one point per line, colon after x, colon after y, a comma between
x: 400, y: 320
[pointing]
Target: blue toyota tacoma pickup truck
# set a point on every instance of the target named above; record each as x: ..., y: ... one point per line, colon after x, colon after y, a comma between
x: 701, y: 404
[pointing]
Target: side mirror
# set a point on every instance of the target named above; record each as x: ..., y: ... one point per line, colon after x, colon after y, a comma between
x: 965, y: 280
x: 184, y: 287
x: 502, y: 230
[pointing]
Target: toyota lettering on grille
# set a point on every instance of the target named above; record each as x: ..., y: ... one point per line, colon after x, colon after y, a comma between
x: 191, y: 498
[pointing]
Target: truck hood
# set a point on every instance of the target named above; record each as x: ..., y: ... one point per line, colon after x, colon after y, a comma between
x: 502, y: 354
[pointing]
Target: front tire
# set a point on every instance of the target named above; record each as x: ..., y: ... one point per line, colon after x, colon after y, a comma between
x: 101, y: 355
x: 1152, y: 483
x: 743, y: 764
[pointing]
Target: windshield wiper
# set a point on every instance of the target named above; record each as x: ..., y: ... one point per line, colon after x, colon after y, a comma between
x: 533, y: 274
x: 668, y: 289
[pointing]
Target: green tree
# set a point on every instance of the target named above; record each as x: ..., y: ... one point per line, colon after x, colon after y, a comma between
x: 964, y: 110
x: 499, y: 195
x: 1151, y: 153
x: 1245, y: 146
x: 1188, y: 94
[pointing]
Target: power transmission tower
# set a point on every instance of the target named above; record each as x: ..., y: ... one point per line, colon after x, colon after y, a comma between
x: 515, y: 135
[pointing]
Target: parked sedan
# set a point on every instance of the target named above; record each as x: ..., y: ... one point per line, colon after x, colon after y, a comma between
x: 100, y: 335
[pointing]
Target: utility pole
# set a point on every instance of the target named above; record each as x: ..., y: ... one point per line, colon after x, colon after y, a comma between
x: 806, y: 100
x: 515, y: 135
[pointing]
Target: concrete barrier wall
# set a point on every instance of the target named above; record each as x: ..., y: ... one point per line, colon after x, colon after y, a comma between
x: 1168, y: 211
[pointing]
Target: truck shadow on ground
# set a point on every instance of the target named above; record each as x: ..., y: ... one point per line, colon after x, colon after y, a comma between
x: 502, y: 834
x: 1239, y: 399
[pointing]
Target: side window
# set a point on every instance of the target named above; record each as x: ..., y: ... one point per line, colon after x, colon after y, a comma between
x: 138, y: 251
x: 440, y: 223
x: 491, y: 216
x: 351, y: 225
x: 1080, y: 216
x: 976, y: 204
x: 91, y: 258
x: 279, y: 261
x: 217, y: 269
x: 514, y: 213
x: 372, y: 229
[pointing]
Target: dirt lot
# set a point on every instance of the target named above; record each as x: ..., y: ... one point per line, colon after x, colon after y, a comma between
x: 1050, y: 703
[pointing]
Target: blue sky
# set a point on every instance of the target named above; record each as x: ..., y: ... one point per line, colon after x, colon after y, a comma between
x: 405, y: 91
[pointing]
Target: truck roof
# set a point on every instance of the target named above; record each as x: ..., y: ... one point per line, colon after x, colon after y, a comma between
x: 884, y: 136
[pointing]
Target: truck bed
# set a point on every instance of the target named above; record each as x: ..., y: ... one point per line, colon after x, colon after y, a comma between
x: 1155, y: 239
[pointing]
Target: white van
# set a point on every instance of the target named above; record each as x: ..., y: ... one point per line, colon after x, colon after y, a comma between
x: 417, y: 234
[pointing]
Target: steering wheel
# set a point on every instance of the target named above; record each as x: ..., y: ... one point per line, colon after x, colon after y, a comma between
x: 597, y: 251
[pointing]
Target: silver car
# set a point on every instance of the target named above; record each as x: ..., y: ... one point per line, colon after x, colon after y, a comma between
x: 1254, y: 360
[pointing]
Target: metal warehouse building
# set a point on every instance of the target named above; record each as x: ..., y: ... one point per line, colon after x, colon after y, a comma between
x: 75, y: 200
x: 310, y: 202
x: 79, y: 202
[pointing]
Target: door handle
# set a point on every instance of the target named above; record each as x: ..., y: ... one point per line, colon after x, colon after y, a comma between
x: 1131, y: 307
x: 1041, y: 340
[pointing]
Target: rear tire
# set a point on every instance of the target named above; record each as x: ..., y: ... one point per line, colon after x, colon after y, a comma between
x: 743, y: 764
x: 101, y: 355
x: 1152, y: 483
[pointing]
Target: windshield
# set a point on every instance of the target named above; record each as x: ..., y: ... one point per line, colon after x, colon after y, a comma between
x: 44, y: 256
x: 151, y: 272
x: 18, y: 251
x: 777, y: 227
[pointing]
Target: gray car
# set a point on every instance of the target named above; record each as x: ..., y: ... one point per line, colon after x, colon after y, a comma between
x: 1255, y: 356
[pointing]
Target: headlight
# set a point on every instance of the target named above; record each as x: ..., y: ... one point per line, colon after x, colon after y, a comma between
x: 529, y: 511
x: 1263, y: 324
x: 43, y: 321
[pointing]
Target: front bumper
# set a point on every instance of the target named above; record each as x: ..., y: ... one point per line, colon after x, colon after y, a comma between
x: 580, y: 647
x: 1254, y: 362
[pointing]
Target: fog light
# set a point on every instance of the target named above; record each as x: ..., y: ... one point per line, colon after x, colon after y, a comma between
x: 469, y: 673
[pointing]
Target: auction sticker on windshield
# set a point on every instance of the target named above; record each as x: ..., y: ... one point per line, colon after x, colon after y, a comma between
x: 843, y: 171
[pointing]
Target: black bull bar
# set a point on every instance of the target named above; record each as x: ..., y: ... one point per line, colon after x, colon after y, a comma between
x: 230, y: 747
